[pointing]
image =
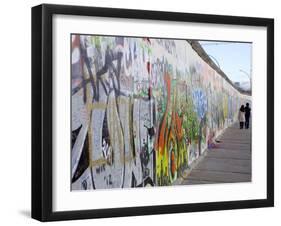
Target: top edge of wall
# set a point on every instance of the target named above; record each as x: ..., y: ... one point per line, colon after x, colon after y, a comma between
x: 201, y: 52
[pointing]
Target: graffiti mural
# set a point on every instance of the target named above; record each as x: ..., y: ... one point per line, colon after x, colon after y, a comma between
x: 142, y: 110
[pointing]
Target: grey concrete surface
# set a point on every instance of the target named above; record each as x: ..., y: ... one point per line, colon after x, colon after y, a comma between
x: 228, y: 162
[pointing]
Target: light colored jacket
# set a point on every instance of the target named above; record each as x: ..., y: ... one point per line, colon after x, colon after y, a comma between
x: 241, y: 116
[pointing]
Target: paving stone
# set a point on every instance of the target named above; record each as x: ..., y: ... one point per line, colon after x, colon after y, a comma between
x: 229, y: 162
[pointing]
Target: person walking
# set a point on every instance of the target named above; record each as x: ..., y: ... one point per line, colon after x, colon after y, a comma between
x: 247, y: 115
x: 241, y: 116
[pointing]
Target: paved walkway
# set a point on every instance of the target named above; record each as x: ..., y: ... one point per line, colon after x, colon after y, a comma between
x: 228, y: 162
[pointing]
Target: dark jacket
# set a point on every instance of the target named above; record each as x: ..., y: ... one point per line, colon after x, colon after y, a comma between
x: 247, y: 112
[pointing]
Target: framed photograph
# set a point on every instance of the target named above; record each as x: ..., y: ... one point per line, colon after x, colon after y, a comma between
x: 145, y: 112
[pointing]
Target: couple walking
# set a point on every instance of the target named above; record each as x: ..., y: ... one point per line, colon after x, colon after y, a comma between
x: 244, y: 116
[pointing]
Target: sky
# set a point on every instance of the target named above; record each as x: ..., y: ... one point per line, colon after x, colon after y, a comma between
x: 232, y: 57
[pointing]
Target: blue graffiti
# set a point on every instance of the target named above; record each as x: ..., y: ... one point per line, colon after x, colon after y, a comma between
x: 200, y: 102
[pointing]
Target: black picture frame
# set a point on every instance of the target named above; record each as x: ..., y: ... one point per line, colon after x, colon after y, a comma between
x: 42, y: 107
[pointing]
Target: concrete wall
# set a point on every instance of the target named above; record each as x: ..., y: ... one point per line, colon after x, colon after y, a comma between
x: 143, y: 110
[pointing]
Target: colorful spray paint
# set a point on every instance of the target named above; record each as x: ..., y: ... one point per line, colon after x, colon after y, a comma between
x: 142, y: 110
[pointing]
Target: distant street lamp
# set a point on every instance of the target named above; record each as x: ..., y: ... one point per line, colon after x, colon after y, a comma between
x: 248, y: 76
x: 217, y: 63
